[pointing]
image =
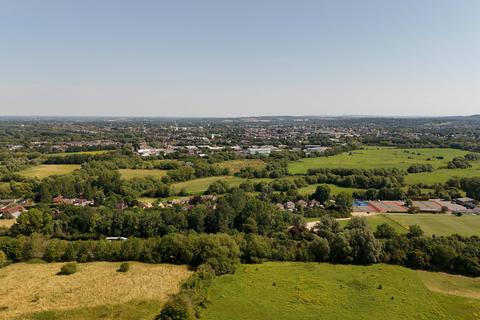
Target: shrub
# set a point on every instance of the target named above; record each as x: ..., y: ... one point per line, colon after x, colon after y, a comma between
x: 124, y: 267
x: 68, y: 268
x: 178, y: 308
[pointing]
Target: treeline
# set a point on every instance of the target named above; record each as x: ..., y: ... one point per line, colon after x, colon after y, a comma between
x: 359, y: 178
x: 470, y: 185
x: 234, y: 212
x: 273, y: 169
x: 354, y: 244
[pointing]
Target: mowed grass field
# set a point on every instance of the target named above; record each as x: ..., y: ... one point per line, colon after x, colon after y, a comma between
x: 62, y: 154
x: 313, y: 291
x: 46, y: 170
x: 378, y: 157
x: 96, y: 291
x: 439, y: 224
x: 431, y: 224
x: 141, y: 173
x: 375, y: 220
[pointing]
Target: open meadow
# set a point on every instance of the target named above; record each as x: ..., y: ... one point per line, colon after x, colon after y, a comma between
x: 443, y: 175
x: 235, y: 165
x: 128, y: 174
x: 378, y: 157
x: 199, y: 186
x: 97, y: 290
x: 313, y: 291
x: 310, y: 189
x: 46, y: 170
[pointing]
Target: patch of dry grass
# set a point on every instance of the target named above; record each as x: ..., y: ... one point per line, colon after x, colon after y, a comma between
x: 7, y: 223
x: 30, y: 288
x: 451, y: 284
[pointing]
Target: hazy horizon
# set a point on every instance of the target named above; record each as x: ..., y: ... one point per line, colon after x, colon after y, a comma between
x: 254, y: 58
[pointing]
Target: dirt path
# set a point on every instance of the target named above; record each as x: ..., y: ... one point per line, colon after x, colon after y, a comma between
x: 311, y: 225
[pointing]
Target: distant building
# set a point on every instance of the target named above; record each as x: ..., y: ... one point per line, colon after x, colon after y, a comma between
x: 116, y: 238
x: 13, y: 211
x: 263, y: 151
x: 466, y: 202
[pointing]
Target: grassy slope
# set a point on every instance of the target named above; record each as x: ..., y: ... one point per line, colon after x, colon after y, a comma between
x: 46, y: 170
x: 377, y: 157
x: 97, y: 290
x: 142, y: 173
x: 440, y: 224
x: 285, y: 291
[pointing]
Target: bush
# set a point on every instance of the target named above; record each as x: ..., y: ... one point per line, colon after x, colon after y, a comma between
x: 68, y: 268
x: 124, y: 267
x: 178, y: 308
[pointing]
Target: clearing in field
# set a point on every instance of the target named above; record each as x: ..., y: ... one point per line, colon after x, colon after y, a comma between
x: 236, y: 165
x: 97, y: 290
x: 313, y: 291
x: 142, y: 173
x: 310, y: 189
x: 46, y: 170
x: 199, y: 186
x: 378, y: 157
x: 439, y: 224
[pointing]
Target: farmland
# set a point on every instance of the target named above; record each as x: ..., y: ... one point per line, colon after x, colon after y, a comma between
x: 323, y: 291
x: 46, y: 170
x: 97, y: 290
x: 378, y: 157
x: 141, y: 173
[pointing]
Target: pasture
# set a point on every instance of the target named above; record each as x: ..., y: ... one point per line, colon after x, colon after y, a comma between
x: 378, y: 157
x: 128, y: 174
x: 47, y: 170
x: 97, y: 290
x: 313, y: 291
x: 199, y: 186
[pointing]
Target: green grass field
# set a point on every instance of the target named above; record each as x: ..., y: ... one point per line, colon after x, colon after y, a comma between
x: 198, y: 186
x: 313, y: 291
x: 141, y: 173
x: 333, y: 188
x: 377, y: 157
x: 46, y: 170
x: 62, y: 154
x: 374, y: 220
x: 439, y: 224
x: 443, y: 175
x: 236, y: 165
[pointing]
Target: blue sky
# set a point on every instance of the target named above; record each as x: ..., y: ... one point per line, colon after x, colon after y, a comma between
x: 239, y: 58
